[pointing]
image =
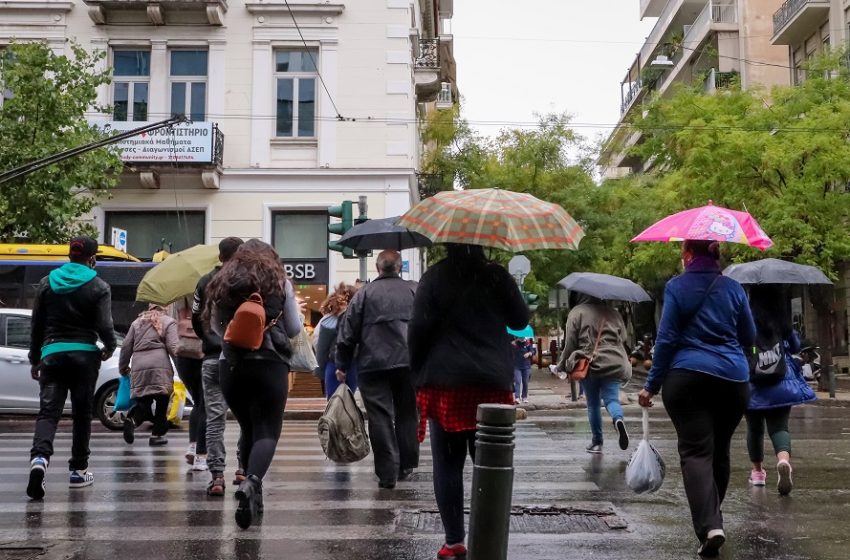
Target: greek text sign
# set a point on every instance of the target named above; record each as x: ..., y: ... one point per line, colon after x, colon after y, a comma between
x: 182, y: 143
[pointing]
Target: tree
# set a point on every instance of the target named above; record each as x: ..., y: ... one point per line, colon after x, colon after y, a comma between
x: 44, y: 114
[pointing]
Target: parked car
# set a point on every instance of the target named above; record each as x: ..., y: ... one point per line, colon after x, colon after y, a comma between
x: 19, y: 393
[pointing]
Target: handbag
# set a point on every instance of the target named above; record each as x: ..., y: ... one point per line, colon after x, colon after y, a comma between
x: 582, y: 367
x: 123, y: 401
x: 189, y: 344
x: 303, y: 358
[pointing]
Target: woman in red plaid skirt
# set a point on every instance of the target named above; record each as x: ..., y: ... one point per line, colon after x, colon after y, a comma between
x: 460, y: 351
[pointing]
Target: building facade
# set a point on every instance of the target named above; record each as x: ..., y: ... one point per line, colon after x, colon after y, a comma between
x: 807, y: 27
x: 295, y: 106
x: 708, y: 42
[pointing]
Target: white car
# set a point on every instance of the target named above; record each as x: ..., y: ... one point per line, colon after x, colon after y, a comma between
x: 19, y: 393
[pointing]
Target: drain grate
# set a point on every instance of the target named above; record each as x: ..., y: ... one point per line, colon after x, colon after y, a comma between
x: 526, y: 519
x: 20, y: 552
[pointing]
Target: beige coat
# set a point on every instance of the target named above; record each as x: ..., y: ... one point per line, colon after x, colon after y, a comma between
x: 151, y: 371
x: 583, y: 324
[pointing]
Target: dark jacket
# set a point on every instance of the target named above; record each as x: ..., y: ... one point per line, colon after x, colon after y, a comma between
x: 211, y: 341
x: 712, y: 340
x: 72, y: 305
x: 375, y: 324
x: 458, y: 334
x: 326, y: 343
x: 520, y: 348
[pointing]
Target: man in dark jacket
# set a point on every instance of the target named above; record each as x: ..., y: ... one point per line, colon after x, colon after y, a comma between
x: 376, y: 325
x: 216, y: 408
x: 72, y: 310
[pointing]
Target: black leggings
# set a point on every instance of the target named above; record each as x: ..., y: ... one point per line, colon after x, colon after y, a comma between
x: 256, y: 391
x: 777, y: 428
x: 449, y: 451
x: 189, y: 371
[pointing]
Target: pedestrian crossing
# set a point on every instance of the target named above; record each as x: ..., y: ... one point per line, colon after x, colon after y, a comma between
x: 146, y: 503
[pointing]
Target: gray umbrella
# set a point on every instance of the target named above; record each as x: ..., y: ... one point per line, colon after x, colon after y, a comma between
x: 605, y: 286
x: 775, y: 271
x: 382, y: 234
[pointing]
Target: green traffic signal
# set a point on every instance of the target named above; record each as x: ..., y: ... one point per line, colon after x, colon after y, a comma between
x: 346, y: 215
x: 530, y: 300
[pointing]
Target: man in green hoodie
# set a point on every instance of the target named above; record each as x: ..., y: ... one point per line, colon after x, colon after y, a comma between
x: 72, y: 310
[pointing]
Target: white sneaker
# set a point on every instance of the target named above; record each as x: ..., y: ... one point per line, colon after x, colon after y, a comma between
x: 784, y: 484
x: 713, y: 541
x: 81, y: 479
x: 190, y: 454
x: 525, y: 400
x: 200, y: 463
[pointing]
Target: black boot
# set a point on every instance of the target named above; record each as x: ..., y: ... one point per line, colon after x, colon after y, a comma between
x: 250, y: 495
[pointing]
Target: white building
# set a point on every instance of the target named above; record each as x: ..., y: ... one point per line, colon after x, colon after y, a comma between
x: 297, y: 105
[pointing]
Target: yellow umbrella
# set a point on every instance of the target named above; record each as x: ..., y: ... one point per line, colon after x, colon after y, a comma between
x: 177, y: 275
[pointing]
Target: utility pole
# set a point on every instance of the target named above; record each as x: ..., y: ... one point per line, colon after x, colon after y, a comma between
x: 363, y: 209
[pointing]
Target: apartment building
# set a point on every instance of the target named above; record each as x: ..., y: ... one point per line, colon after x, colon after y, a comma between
x: 295, y: 106
x: 704, y: 42
x: 807, y: 27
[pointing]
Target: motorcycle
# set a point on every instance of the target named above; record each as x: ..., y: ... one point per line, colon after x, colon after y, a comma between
x: 643, y: 352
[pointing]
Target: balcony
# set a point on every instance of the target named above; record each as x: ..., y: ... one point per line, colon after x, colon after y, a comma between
x: 651, y: 8
x: 797, y: 19
x: 160, y: 12
x: 427, y: 70
x: 719, y: 80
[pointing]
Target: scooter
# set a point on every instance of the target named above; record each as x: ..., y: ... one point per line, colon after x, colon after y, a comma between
x: 643, y: 352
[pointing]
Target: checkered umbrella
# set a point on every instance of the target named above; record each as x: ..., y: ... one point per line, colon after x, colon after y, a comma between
x: 493, y: 218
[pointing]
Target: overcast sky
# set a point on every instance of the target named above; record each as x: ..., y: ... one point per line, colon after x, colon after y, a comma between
x: 518, y: 57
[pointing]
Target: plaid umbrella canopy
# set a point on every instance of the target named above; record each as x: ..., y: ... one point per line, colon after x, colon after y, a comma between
x: 494, y: 218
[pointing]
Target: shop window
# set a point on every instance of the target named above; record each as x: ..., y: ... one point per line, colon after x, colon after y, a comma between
x: 300, y: 235
x: 150, y: 231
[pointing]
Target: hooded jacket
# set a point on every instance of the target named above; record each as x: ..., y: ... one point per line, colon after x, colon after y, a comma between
x: 210, y: 340
x: 152, y: 372
x: 72, y: 310
x: 583, y: 326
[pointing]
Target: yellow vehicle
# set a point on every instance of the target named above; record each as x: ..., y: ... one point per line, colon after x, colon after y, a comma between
x: 27, y: 252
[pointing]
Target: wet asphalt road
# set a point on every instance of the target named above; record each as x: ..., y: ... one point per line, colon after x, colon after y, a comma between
x: 145, y: 504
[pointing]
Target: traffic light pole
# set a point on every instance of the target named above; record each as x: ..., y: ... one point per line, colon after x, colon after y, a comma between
x: 363, y: 207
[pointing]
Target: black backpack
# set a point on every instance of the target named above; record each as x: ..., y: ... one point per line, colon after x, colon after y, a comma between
x: 767, y: 362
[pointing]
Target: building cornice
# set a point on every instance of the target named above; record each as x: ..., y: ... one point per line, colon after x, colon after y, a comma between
x: 50, y: 5
x: 319, y: 172
x: 299, y: 8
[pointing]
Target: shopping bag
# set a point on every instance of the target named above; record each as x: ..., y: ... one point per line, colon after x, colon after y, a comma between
x: 303, y: 358
x: 342, y: 428
x: 646, y: 469
x: 177, y: 403
x: 123, y: 402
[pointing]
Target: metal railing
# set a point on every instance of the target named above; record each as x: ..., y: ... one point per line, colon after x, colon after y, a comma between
x: 715, y: 80
x: 429, y: 55
x: 429, y: 184
x: 631, y: 93
x: 787, y: 11
x: 218, y: 146
x: 724, y: 11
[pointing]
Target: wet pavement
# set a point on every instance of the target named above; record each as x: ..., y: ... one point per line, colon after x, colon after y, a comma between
x: 145, y: 504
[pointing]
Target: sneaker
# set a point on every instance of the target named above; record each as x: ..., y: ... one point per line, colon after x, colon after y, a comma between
x: 200, y: 463
x: 386, y: 484
x: 81, y: 479
x: 155, y: 441
x: 525, y: 400
x: 129, y: 431
x: 758, y: 477
x: 38, y: 468
x: 784, y: 485
x: 404, y: 474
x: 238, y: 477
x: 190, y: 455
x: 217, y: 485
x: 710, y: 548
x: 624, y: 435
x: 453, y: 551
x: 594, y: 448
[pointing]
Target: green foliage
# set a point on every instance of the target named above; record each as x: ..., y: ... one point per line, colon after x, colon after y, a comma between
x: 46, y: 115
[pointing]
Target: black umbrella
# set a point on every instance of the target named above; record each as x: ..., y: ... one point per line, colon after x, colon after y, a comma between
x: 605, y: 286
x: 382, y: 234
x: 775, y: 271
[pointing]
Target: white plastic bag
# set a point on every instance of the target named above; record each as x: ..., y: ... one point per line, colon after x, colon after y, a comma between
x: 646, y: 469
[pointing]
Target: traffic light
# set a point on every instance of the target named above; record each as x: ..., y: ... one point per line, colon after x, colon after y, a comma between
x: 346, y: 216
x: 531, y: 300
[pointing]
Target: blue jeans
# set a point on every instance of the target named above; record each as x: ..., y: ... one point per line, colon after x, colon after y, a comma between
x: 331, y: 384
x: 521, y: 376
x: 608, y: 390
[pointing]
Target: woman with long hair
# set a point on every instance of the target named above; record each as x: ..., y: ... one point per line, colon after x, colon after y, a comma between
x: 333, y: 309
x: 254, y: 382
x: 151, y: 342
x: 700, y: 364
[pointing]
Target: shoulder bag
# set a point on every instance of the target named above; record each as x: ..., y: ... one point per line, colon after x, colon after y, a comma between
x: 582, y: 366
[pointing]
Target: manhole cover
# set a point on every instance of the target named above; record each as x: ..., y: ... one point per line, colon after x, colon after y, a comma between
x: 527, y: 519
x: 20, y: 552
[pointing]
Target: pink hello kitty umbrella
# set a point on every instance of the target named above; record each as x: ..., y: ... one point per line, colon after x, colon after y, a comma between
x: 710, y: 223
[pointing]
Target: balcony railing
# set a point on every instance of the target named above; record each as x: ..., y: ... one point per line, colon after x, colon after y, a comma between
x: 630, y: 94
x: 429, y: 184
x: 429, y: 55
x: 787, y: 11
x: 218, y: 146
x: 718, y: 80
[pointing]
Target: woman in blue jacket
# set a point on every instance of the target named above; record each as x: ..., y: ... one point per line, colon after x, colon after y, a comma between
x: 700, y: 364
x: 771, y: 404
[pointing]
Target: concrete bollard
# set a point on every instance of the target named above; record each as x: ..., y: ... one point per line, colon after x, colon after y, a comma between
x: 492, y: 483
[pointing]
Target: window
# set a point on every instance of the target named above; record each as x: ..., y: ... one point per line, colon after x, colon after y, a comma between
x: 798, y: 73
x: 189, y: 84
x: 5, y: 93
x: 132, y: 70
x: 302, y: 235
x: 149, y: 231
x: 295, y: 81
x: 17, y: 332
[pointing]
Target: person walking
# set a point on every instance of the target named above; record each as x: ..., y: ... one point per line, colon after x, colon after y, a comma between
x: 700, y: 366
x: 71, y: 311
x: 770, y: 404
x: 460, y: 353
x: 189, y: 361
x: 255, y: 382
x: 375, y: 325
x: 595, y: 331
x: 215, y: 406
x: 333, y: 309
x: 151, y: 343
x: 523, y: 352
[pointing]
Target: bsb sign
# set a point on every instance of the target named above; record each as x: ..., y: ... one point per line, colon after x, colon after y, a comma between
x: 307, y: 271
x: 182, y: 143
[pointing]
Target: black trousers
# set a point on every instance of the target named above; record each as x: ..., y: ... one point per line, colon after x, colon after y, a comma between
x: 449, y: 451
x: 256, y: 392
x: 390, y: 401
x: 63, y: 373
x: 144, y: 410
x: 189, y: 371
x: 705, y: 411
